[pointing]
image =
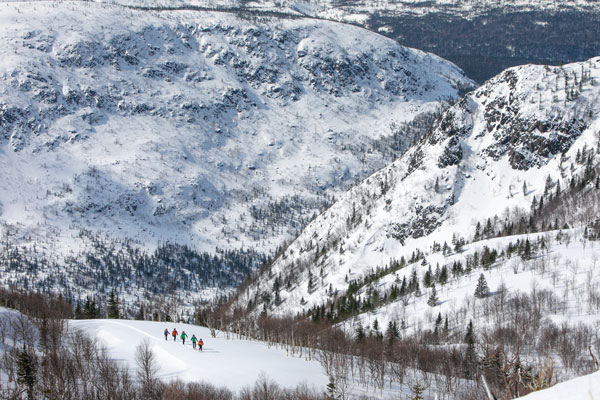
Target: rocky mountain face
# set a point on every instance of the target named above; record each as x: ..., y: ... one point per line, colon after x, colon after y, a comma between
x: 498, y: 153
x: 205, y: 129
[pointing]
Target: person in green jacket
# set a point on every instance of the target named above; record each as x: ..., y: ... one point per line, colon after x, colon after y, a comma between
x: 194, y: 340
x: 183, y: 336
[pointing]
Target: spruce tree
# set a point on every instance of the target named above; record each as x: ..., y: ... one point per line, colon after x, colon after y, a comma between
x: 26, y: 371
x: 482, y: 290
x: 112, y: 309
x: 90, y: 310
x: 427, y: 279
x: 433, y: 297
x: 360, y: 333
x: 376, y: 325
x: 78, y: 311
x: 443, y: 277
x: 418, y: 390
x: 140, y: 314
x: 470, y: 360
x: 331, y: 389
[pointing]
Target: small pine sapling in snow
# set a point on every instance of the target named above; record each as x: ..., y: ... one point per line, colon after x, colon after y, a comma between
x: 331, y: 390
x: 418, y: 391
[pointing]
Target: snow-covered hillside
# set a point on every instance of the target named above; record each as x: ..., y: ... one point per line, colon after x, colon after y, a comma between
x: 492, y: 218
x: 488, y: 156
x: 209, y: 129
x: 583, y: 388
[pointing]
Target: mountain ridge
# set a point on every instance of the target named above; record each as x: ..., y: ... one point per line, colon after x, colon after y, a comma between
x: 488, y: 156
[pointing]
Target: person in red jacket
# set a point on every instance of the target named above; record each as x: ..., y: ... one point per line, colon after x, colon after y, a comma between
x: 200, y: 344
x: 174, y: 333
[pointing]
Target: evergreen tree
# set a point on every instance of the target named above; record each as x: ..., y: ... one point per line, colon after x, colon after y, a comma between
x: 360, y: 333
x: 112, y: 309
x: 443, y: 277
x: 418, y: 391
x: 470, y: 360
x: 428, y: 279
x: 90, y: 310
x: 78, y: 311
x: 140, y: 314
x: 527, y: 250
x: 548, y: 186
x: 482, y: 290
x: 26, y: 371
x: 331, y: 389
x: 433, y: 297
x: 392, y: 332
x: 403, y: 287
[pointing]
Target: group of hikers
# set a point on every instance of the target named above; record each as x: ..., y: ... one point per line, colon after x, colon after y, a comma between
x: 195, y: 341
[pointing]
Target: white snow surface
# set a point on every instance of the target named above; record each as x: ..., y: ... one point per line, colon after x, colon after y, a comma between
x: 582, y: 388
x: 232, y: 363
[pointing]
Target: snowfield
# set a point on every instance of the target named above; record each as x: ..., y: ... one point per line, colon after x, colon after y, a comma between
x: 583, y: 388
x: 236, y: 363
x: 231, y: 363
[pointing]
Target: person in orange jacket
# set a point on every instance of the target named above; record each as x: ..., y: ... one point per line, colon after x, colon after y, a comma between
x: 200, y: 344
x: 174, y: 333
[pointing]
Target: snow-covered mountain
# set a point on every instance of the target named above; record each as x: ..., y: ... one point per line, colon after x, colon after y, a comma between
x: 488, y: 160
x: 211, y: 129
x: 482, y: 37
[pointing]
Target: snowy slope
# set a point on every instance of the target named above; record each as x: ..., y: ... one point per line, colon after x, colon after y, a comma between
x: 237, y: 363
x: 205, y: 128
x: 232, y: 363
x: 582, y: 388
x: 481, y: 152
